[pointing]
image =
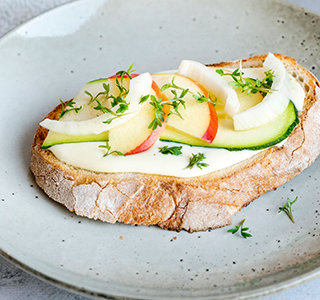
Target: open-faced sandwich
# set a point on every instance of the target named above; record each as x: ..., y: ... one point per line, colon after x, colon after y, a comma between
x: 184, y: 149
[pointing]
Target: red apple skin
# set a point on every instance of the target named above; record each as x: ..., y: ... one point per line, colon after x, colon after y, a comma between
x: 153, y: 137
x: 155, y: 134
x: 124, y: 76
x: 212, y: 129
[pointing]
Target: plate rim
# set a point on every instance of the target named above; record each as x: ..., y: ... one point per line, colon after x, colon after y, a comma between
x: 251, y: 294
x: 257, y: 292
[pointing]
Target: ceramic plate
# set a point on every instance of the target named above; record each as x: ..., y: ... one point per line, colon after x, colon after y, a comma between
x: 53, y: 56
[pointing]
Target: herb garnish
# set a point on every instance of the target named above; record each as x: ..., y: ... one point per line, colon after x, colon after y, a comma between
x: 176, y: 102
x: 119, y: 100
x: 159, y: 113
x: 108, y: 147
x: 202, y: 99
x: 287, y: 208
x: 242, y: 230
x: 171, y: 150
x: 68, y: 104
x: 126, y: 73
x: 250, y: 85
x: 177, y: 99
x: 158, y: 104
x: 196, y: 160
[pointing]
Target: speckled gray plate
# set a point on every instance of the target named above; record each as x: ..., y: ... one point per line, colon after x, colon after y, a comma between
x: 53, y: 56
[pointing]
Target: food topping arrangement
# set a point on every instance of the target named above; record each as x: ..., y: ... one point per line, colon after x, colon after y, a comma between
x: 185, y: 149
x: 204, y: 118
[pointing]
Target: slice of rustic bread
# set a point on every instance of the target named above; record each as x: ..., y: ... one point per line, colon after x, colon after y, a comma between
x: 175, y: 203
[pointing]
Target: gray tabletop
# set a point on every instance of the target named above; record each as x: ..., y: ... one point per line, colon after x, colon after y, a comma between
x: 16, y: 283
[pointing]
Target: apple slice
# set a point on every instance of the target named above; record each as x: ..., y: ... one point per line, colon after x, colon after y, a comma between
x: 199, y: 119
x: 134, y: 136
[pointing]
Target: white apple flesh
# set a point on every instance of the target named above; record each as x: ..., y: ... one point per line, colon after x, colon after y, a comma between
x: 134, y: 136
x: 198, y: 119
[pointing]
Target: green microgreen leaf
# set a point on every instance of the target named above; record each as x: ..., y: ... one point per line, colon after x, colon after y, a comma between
x: 108, y: 121
x: 108, y: 148
x: 157, y: 108
x: 118, y: 102
x: 103, y: 108
x: 287, y: 208
x: 250, y: 85
x: 158, y: 112
x: 220, y: 72
x: 175, y: 104
x: 144, y: 99
x: 64, y: 105
x: 242, y: 229
x: 122, y: 108
x: 196, y: 160
x: 202, y: 99
x: 171, y: 150
x: 128, y: 72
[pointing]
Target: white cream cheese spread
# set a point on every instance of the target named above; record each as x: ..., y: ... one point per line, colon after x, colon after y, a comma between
x: 89, y: 156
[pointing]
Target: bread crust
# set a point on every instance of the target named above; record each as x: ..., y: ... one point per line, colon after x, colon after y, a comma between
x: 173, y: 203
